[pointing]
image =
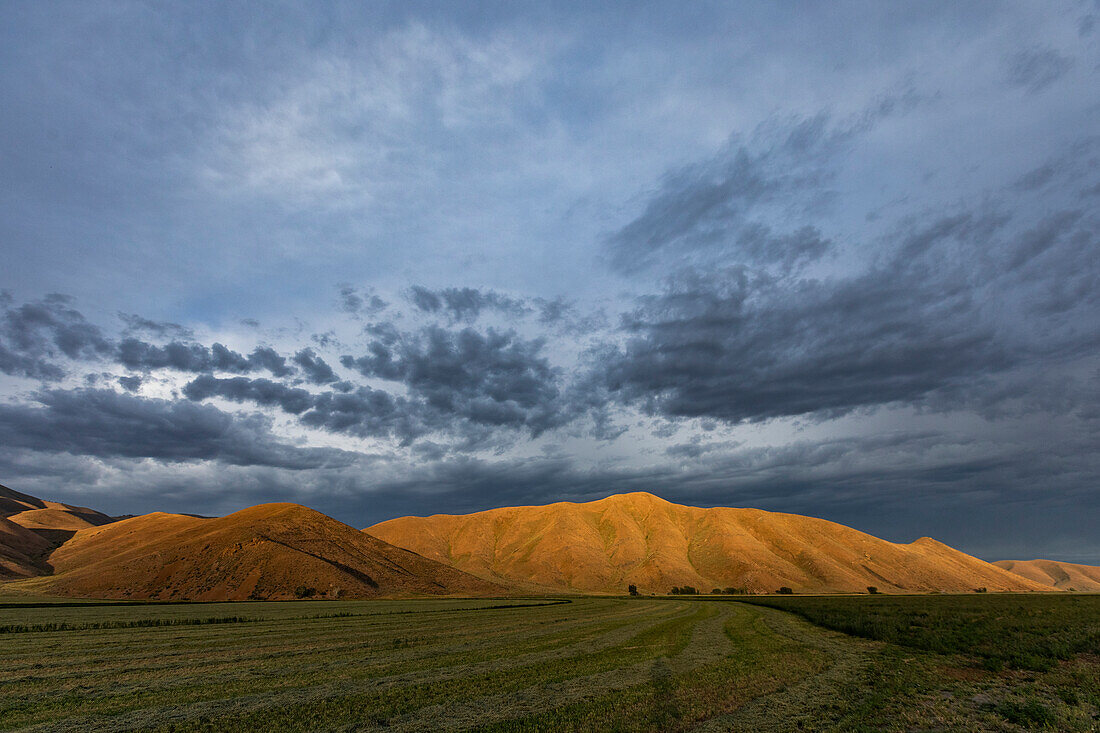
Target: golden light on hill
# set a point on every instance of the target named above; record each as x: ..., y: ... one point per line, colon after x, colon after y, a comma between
x: 643, y: 540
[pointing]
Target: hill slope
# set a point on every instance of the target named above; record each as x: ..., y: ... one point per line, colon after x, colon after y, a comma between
x: 1060, y: 575
x: 31, y: 527
x: 638, y: 538
x: 267, y: 551
x: 22, y: 552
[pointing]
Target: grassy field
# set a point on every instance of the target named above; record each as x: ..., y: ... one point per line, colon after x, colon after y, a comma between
x: 1033, y: 632
x: 539, y: 664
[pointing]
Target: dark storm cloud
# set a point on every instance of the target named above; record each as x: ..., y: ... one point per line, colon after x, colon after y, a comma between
x: 366, y: 413
x: 1036, y: 68
x: 130, y: 384
x: 241, y: 389
x: 162, y: 329
x: 264, y: 357
x: 106, y: 424
x: 362, y: 412
x: 961, y: 301
x: 1037, y: 178
x: 465, y: 304
x: 360, y: 302
x: 713, y: 204
x: 563, y: 316
x: 348, y: 409
x: 493, y: 378
x: 34, y: 336
x: 315, y: 369
x: 192, y: 357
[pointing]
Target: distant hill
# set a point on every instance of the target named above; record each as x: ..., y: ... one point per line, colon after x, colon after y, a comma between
x: 638, y: 538
x: 22, y: 552
x: 1060, y: 575
x: 12, y: 502
x: 31, y: 528
x: 271, y: 551
x: 276, y: 551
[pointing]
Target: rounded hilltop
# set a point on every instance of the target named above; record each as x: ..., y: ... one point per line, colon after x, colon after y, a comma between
x: 638, y: 538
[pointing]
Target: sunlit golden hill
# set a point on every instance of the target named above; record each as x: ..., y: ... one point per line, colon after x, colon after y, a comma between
x: 1060, y: 575
x: 271, y: 551
x: 604, y: 546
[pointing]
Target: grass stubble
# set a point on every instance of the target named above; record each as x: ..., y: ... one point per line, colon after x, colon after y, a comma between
x: 981, y: 663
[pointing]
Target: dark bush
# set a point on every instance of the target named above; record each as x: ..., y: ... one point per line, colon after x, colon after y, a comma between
x: 785, y: 590
x: 1031, y: 713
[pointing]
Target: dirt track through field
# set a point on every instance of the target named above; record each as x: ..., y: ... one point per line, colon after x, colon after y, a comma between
x: 804, y: 705
x: 708, y: 644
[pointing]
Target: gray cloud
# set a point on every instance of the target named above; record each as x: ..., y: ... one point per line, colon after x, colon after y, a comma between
x: 465, y: 304
x: 316, y: 369
x: 191, y: 357
x: 493, y: 378
x: 161, y: 329
x: 713, y: 208
x: 1036, y: 68
x: 34, y: 336
x: 106, y: 424
x: 361, y: 302
x: 364, y: 413
x: 241, y: 389
x: 740, y: 346
x: 130, y: 384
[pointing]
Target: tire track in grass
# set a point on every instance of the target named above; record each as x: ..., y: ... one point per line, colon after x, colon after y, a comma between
x: 808, y: 704
x: 708, y: 643
x: 755, y: 662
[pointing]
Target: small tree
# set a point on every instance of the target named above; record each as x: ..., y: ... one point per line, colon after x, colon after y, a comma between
x: 785, y: 590
x: 983, y: 589
x: 872, y: 589
x: 632, y: 590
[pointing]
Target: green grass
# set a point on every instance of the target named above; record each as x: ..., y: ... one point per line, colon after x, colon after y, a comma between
x: 1016, y: 631
x: 974, y: 662
x: 614, y: 664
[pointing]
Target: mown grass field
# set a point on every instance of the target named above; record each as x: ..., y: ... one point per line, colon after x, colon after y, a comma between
x: 537, y: 664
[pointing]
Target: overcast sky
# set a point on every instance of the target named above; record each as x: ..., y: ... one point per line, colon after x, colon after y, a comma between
x: 835, y: 259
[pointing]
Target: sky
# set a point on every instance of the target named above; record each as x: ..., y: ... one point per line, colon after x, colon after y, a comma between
x: 382, y: 259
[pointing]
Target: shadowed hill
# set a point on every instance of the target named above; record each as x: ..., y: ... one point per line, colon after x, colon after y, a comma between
x: 640, y: 539
x: 1060, y: 575
x: 270, y: 551
x: 21, y: 551
x: 13, y: 502
x: 34, y: 513
x: 58, y: 522
x: 32, y: 527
